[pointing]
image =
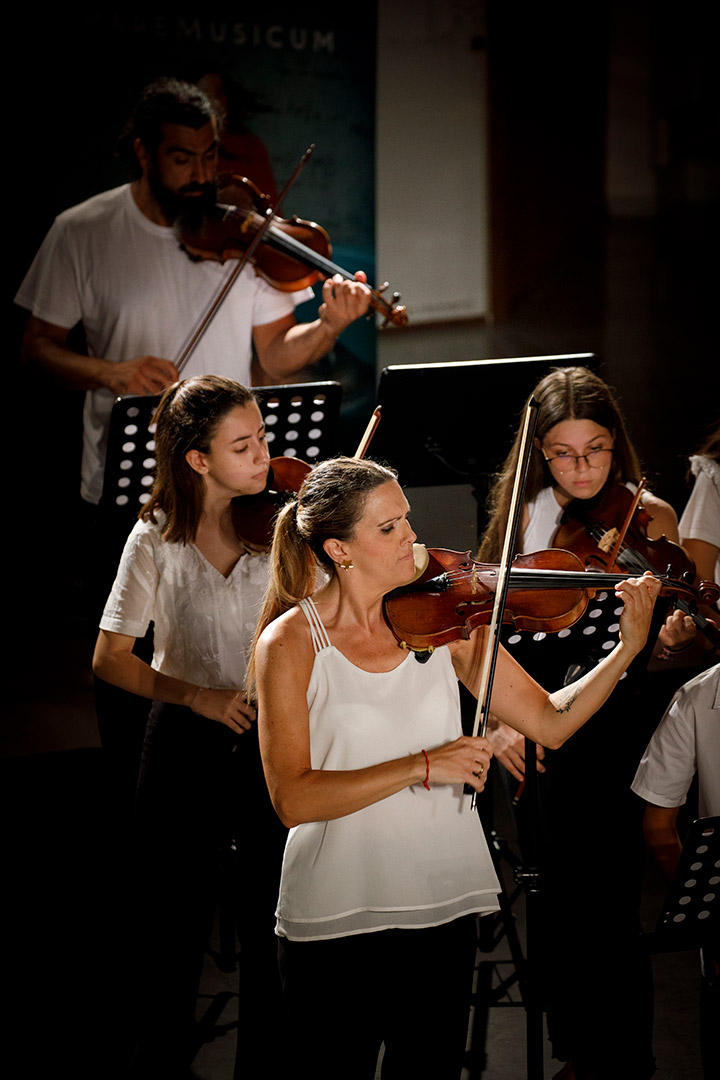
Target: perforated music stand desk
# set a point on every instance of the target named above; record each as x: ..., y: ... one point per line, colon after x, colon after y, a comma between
x: 301, y: 421
x: 690, y: 917
x: 454, y: 423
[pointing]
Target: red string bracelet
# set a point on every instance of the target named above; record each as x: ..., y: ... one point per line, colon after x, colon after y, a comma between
x: 426, y: 785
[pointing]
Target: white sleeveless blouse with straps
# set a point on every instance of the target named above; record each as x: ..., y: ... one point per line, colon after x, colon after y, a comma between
x: 418, y: 858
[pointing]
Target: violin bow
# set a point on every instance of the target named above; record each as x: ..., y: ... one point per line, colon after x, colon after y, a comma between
x: 487, y: 673
x: 620, y: 539
x: 368, y: 433
x: 215, y: 304
x: 704, y: 625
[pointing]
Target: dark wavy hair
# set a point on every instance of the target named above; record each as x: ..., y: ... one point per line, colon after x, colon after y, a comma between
x: 165, y: 101
x: 572, y: 393
x: 710, y: 447
x: 187, y: 418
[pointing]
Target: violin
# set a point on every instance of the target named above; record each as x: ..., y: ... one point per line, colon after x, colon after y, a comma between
x: 594, y: 528
x: 548, y: 590
x: 609, y: 532
x: 254, y: 516
x: 292, y: 253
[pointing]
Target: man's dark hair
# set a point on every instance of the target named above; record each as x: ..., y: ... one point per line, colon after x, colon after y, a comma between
x: 165, y: 101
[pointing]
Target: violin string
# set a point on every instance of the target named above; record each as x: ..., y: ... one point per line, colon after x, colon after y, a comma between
x: 642, y: 564
x: 628, y: 556
x: 294, y: 248
x: 290, y: 246
x: 538, y: 578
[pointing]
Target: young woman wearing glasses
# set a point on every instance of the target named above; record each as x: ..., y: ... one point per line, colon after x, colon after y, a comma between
x: 598, y: 983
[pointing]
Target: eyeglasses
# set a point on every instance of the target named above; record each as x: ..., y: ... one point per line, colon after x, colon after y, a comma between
x: 596, y: 459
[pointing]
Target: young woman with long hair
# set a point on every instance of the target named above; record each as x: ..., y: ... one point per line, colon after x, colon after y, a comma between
x: 599, y: 988
x: 201, y: 798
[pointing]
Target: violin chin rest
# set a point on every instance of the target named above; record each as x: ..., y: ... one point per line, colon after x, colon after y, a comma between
x: 421, y: 558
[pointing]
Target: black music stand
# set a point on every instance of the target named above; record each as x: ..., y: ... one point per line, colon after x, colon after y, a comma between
x: 690, y: 917
x: 454, y: 423
x: 301, y: 421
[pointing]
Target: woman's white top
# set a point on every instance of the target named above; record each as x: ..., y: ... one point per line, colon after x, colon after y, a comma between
x: 204, y: 622
x: 544, y: 514
x: 415, y: 859
x: 544, y: 517
x: 701, y: 517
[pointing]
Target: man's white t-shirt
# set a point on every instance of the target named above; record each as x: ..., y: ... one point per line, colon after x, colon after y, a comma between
x: 104, y: 264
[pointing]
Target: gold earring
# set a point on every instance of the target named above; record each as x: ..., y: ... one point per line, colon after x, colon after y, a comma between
x: 347, y: 564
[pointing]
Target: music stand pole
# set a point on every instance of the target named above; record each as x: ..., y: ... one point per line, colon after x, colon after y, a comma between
x: 528, y: 875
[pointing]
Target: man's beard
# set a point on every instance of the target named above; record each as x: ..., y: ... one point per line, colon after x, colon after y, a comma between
x: 173, y: 204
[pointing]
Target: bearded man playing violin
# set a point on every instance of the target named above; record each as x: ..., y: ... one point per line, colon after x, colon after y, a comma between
x: 113, y: 264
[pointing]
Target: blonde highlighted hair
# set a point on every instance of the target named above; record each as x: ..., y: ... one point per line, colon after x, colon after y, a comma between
x: 329, y: 504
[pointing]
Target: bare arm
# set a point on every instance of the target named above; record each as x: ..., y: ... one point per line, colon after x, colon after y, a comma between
x: 300, y: 793
x: 115, y: 662
x: 704, y: 555
x: 551, y: 718
x: 661, y: 837
x: 44, y: 347
x: 679, y: 630
x: 285, y: 346
x: 664, y: 519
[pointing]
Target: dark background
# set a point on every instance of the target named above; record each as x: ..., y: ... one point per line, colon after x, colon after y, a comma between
x: 567, y: 275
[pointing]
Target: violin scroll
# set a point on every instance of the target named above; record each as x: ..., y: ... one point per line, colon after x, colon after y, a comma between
x: 589, y: 527
x: 708, y: 592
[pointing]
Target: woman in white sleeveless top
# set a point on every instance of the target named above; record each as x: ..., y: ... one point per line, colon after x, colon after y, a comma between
x: 386, y: 866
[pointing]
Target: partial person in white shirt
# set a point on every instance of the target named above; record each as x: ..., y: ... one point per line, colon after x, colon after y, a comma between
x: 699, y: 524
x: 686, y: 743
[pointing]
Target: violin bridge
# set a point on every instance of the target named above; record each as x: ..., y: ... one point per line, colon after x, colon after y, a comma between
x: 474, y: 580
x: 608, y: 540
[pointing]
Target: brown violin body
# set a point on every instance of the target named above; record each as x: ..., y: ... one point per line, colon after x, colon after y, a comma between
x: 455, y: 595
x: 589, y: 528
x: 292, y: 254
x: 238, y: 215
x: 254, y: 515
x: 548, y: 591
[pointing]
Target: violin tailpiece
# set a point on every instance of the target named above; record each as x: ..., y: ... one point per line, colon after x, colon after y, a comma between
x: 608, y: 540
